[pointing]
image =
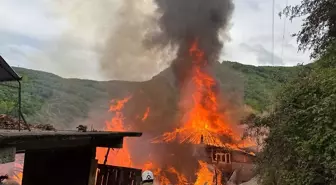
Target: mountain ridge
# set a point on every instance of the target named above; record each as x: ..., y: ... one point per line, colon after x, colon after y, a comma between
x: 65, y: 102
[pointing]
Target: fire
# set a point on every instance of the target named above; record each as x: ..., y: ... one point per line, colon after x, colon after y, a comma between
x: 161, y: 178
x: 145, y: 116
x: 204, y: 175
x: 205, y: 123
x: 18, y: 172
x: 181, y: 179
x: 118, y: 105
x: 148, y: 166
x: 122, y: 156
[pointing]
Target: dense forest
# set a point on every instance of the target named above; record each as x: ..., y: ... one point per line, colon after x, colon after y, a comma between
x: 49, y: 98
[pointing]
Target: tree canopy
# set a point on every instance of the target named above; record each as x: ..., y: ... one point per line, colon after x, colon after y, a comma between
x: 301, y: 145
x: 318, y: 31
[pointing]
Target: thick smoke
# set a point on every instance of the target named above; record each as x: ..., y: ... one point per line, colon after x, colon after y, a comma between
x: 124, y: 56
x: 182, y: 22
x: 111, y: 33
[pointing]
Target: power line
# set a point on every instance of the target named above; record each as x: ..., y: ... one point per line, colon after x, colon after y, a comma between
x: 283, y: 34
x: 273, y: 12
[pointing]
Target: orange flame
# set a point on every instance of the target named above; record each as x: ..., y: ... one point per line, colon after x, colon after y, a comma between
x: 181, y: 179
x: 18, y: 172
x: 204, y: 124
x: 204, y: 175
x: 122, y: 156
x: 145, y: 116
x: 161, y: 178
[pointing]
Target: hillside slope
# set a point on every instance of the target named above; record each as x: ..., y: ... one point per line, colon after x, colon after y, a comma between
x: 63, y: 102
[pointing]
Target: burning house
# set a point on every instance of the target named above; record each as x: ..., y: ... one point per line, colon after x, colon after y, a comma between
x: 200, y: 141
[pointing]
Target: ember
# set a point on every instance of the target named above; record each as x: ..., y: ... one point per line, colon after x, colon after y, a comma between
x: 145, y: 116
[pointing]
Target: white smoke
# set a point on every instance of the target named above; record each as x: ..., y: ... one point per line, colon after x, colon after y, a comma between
x: 115, y: 31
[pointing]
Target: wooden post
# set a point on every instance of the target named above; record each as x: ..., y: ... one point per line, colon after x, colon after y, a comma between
x: 93, y: 172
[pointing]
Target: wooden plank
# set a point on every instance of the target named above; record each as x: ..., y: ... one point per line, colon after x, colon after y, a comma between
x: 116, y: 175
x: 93, y: 172
x: 100, y: 177
x: 106, y: 176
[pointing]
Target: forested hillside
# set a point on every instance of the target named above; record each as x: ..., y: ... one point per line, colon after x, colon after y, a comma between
x: 49, y: 98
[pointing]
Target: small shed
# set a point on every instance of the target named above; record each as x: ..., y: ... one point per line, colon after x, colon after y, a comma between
x: 62, y: 157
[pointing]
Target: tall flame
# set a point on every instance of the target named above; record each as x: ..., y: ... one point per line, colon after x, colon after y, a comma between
x: 205, y: 123
x: 204, y: 175
x: 122, y: 156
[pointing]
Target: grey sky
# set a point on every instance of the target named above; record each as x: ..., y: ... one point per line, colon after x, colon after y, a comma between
x: 64, y: 37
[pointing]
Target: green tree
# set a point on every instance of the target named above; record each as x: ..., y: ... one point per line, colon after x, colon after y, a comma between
x: 301, y: 145
x: 318, y: 31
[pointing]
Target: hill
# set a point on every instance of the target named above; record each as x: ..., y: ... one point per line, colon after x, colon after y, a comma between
x: 48, y: 98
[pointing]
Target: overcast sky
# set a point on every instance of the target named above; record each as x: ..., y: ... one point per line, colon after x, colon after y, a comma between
x: 48, y: 35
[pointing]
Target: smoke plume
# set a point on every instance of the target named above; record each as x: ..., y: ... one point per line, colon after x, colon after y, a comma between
x: 181, y: 22
x: 111, y: 32
x: 124, y: 56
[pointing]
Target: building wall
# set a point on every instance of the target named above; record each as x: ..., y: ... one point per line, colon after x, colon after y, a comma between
x: 58, y: 167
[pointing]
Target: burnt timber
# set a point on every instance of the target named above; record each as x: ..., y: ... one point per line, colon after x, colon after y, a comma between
x: 62, y: 157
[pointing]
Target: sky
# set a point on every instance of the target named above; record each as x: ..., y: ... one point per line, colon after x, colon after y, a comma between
x: 67, y: 38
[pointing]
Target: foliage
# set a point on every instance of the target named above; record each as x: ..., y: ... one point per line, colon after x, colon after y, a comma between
x: 301, y: 145
x: 319, y: 28
x: 261, y: 82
